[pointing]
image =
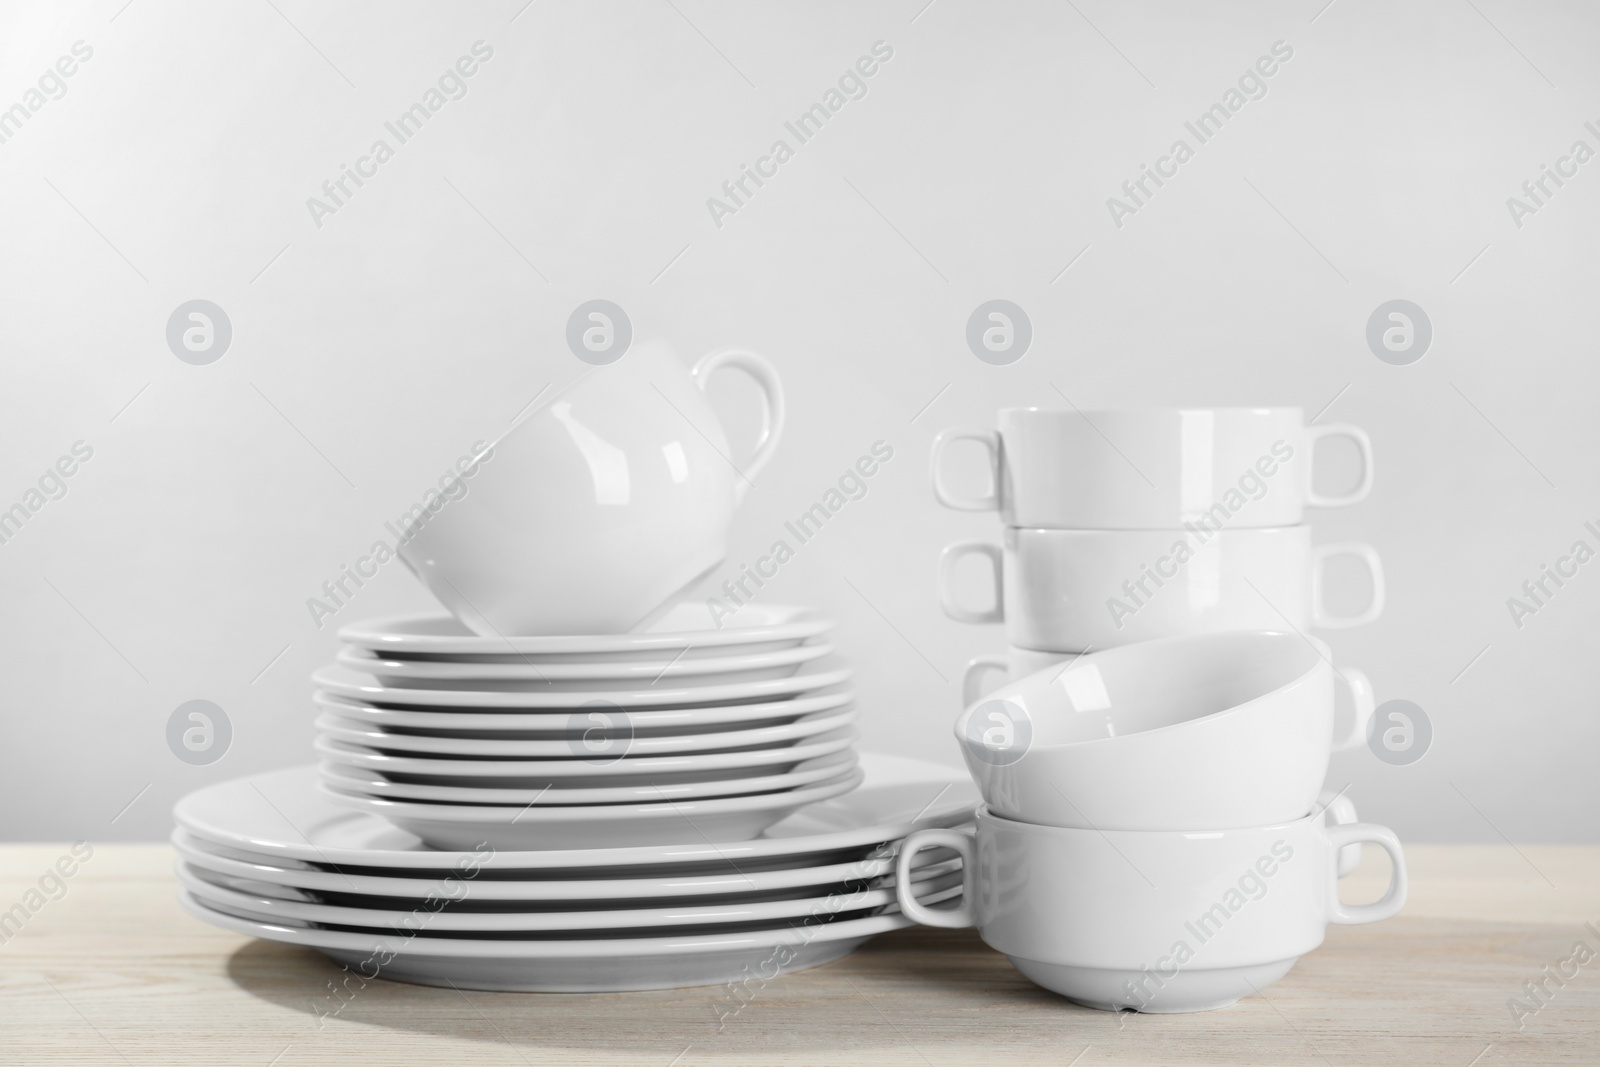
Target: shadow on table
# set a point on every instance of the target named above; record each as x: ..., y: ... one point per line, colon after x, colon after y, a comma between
x: 933, y: 983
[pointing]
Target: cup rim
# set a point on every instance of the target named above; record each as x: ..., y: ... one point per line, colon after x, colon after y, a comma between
x: 985, y: 811
x: 1288, y: 529
x: 1267, y: 410
x: 1318, y: 647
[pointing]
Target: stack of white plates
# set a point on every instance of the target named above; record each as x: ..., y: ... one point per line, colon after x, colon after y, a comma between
x: 274, y: 857
x: 684, y: 733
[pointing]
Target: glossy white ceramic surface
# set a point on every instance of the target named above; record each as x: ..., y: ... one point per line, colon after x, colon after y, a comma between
x: 1206, y: 732
x: 597, y: 770
x: 669, y: 960
x: 353, y: 685
x: 1154, y: 921
x: 556, y: 721
x: 1073, y: 590
x: 600, y: 737
x: 1149, y: 468
x: 535, y: 676
x: 282, y: 814
x: 592, y: 513
x: 687, y: 631
x: 873, y: 864
x: 588, y: 826
x: 275, y: 903
x: 371, y: 783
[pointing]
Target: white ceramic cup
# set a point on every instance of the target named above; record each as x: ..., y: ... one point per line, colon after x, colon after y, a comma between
x: 1072, y: 590
x: 1205, y: 732
x: 1149, y: 468
x: 1162, y: 921
x: 1017, y: 663
x: 599, y: 507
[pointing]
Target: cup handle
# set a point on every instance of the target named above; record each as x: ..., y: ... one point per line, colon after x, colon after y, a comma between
x: 956, y: 918
x: 942, y: 493
x: 1368, y: 555
x: 977, y: 667
x: 1363, y: 442
x: 1341, y: 812
x: 772, y: 406
x: 948, y: 559
x: 1363, y: 702
x: 1393, y: 899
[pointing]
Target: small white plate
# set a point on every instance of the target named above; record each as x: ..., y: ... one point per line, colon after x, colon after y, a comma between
x: 645, y: 721
x: 605, y: 737
x: 588, y: 826
x: 670, y: 961
x: 534, y: 676
x: 442, y: 915
x: 688, y: 630
x: 818, y: 674
x: 358, y: 780
x: 593, y: 772
x: 876, y: 863
x: 284, y: 815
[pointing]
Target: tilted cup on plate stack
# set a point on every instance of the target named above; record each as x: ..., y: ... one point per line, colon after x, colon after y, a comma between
x: 1155, y: 833
x: 578, y: 780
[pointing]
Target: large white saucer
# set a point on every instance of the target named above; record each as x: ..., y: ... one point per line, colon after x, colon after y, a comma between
x: 275, y: 904
x: 564, y: 966
x: 282, y: 814
x: 659, y: 883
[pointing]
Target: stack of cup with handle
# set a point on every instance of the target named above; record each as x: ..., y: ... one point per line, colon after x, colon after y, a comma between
x: 1130, y: 525
x: 1155, y: 833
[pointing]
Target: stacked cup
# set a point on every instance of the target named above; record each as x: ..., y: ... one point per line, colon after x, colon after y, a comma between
x: 1123, y: 526
x: 1154, y: 835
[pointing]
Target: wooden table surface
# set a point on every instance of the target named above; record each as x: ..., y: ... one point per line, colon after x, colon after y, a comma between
x: 113, y: 972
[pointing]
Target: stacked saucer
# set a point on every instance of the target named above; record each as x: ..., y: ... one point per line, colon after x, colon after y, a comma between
x: 682, y: 733
x: 272, y: 856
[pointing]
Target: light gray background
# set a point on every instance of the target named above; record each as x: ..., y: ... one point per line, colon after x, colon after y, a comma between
x: 372, y: 351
